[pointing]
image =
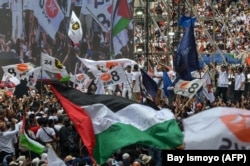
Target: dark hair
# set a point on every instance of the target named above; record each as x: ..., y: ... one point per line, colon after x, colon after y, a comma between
x: 240, y: 69
x: 42, y: 121
x: 136, y: 67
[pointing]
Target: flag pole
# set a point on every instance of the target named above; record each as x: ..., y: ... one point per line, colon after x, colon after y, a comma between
x: 41, y: 74
x: 76, y: 66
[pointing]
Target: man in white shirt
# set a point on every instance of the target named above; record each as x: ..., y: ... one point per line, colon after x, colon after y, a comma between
x: 239, y: 85
x: 222, y: 83
x: 7, y: 139
x: 126, y: 90
x: 136, y: 81
x: 17, y: 24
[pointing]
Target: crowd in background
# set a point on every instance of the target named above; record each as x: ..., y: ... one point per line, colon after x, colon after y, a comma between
x: 231, y: 87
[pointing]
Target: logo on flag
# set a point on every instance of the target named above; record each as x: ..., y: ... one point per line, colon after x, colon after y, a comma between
x: 58, y: 64
x: 75, y: 26
x: 22, y: 67
x: 51, y: 8
x: 231, y: 121
x: 188, y: 88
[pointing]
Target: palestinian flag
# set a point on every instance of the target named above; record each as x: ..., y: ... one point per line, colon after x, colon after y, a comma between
x: 29, y: 143
x: 107, y: 123
x: 121, y: 17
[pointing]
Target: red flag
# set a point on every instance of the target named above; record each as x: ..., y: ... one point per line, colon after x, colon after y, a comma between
x: 81, y: 120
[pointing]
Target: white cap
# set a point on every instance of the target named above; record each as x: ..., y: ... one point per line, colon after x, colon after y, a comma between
x: 125, y: 156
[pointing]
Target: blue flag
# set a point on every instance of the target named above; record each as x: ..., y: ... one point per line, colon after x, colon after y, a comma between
x: 167, y: 83
x: 186, y: 58
x: 149, y: 84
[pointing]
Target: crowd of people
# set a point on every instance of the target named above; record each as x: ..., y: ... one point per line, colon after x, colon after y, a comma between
x: 47, y: 122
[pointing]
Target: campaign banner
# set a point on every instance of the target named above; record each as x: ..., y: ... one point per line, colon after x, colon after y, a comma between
x: 49, y: 15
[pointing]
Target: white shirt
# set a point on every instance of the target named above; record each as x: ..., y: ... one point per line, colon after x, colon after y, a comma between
x: 137, y: 77
x: 128, y: 83
x: 43, y: 136
x: 223, y: 79
x: 157, y: 80
x: 239, y: 79
x: 7, y: 140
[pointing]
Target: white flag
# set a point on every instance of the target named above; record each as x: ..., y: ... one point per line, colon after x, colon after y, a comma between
x: 54, y: 66
x: 51, y: 64
x: 49, y: 15
x: 18, y: 70
x: 101, y: 12
x: 99, y: 88
x: 98, y: 67
x: 112, y: 77
x: 53, y: 159
x: 10, y: 78
x: 75, y: 28
x: 32, y: 76
x: 219, y: 128
x: 188, y: 88
x: 80, y: 79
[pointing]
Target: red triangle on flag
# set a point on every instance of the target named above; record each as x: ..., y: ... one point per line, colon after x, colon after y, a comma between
x: 123, y: 9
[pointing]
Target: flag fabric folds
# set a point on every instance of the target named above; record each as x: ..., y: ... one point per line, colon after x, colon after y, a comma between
x: 75, y: 29
x: 122, y: 17
x: 188, y: 88
x: 149, y: 84
x: 105, y: 65
x: 119, y: 119
x: 31, y: 144
x: 121, y: 20
x: 166, y: 83
x: 18, y: 70
x: 53, y: 159
x: 82, y: 121
x: 54, y: 67
x: 219, y: 128
x: 49, y: 15
x: 32, y: 76
x: 186, y: 58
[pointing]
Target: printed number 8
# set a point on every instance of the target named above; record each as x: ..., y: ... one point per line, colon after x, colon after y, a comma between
x: 115, y: 76
x: 193, y: 87
x: 12, y: 71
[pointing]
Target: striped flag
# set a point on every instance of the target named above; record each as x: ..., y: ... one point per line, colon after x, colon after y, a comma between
x: 30, y: 143
x: 121, y: 20
x: 122, y: 17
x: 100, y: 119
